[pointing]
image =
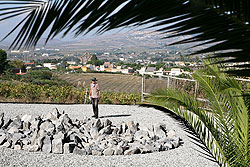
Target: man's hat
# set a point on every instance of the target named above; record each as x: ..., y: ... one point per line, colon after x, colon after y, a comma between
x: 94, y: 79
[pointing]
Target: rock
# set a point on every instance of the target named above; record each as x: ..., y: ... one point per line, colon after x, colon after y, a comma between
x: 6, y: 123
x: 1, y: 119
x: 34, y: 137
x: 168, y: 145
x: 175, y: 142
x: 33, y: 148
x: 148, y: 149
x: 103, y: 144
x: 15, y: 137
x: 16, y: 123
x: 112, y: 142
x: 66, y: 121
x: 164, y: 140
x: 158, y: 146
x: 115, y: 131
x: 27, y: 133
x: 108, y: 151
x: 59, y: 135
x: 164, y: 127
x: 53, y: 115
x: 96, y: 152
x: 60, y: 127
x: 57, y: 146
x: 87, y: 148
x: 132, y: 127
x: 26, y: 141
x: 141, y: 134
x: 94, y: 133
x: 158, y: 131
x: 129, y: 139
x: 123, y: 128
x: 98, y: 124
x: 69, y: 148
x: 118, y: 150
x: 46, y: 144
x: 48, y: 127
x: 135, y: 145
x: 26, y: 147
x: 171, y: 134
x: 107, y: 122
x: 13, y: 130
x: 76, y: 123
x: 35, y: 124
x: 3, y: 139
x: 7, y: 144
x: 76, y: 136
x: 17, y: 147
x: 2, y: 132
x: 26, y: 126
x: 106, y: 130
x: 150, y: 130
x: 84, y: 129
x: 79, y: 151
x: 132, y: 151
x: 27, y: 118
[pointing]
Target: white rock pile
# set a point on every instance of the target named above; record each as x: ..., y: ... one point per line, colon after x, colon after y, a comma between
x: 57, y: 133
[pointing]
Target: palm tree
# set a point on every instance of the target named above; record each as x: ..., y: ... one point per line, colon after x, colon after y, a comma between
x: 17, y: 64
x: 223, y: 124
x: 220, y: 25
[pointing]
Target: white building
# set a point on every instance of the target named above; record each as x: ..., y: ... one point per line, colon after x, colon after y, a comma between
x: 180, y: 63
x: 45, y: 55
x: 159, y: 72
x: 142, y: 70
x: 15, y: 51
x: 102, y: 68
x: 176, y: 71
x: 127, y: 71
x: 50, y: 66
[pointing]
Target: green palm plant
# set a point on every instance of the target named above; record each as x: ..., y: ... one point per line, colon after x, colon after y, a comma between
x: 223, y: 124
x: 220, y: 25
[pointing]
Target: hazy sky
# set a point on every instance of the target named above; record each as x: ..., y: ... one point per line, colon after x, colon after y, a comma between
x: 7, y: 25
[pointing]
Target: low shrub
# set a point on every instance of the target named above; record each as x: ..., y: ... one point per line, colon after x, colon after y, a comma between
x: 28, y: 92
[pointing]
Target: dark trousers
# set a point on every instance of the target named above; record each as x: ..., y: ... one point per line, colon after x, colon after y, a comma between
x: 94, y: 102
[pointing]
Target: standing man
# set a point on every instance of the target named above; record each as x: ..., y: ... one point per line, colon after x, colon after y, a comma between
x: 95, y: 94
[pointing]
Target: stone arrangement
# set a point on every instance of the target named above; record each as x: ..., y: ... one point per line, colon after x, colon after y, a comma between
x: 58, y: 133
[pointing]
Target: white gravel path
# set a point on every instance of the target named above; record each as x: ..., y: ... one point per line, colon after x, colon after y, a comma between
x: 183, y: 156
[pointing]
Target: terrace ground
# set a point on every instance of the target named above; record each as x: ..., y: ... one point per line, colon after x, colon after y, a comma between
x: 188, y: 154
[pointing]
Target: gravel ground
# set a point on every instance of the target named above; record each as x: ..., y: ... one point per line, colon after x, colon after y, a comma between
x: 187, y: 155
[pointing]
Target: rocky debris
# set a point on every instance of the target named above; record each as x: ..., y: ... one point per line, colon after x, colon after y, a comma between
x: 57, y: 133
x: 1, y: 119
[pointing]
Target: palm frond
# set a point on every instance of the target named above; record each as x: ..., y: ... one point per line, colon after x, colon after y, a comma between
x: 225, y: 129
x: 202, y: 121
x: 222, y: 24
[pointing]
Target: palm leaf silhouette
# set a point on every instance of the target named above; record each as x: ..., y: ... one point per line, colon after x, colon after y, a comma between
x: 222, y: 25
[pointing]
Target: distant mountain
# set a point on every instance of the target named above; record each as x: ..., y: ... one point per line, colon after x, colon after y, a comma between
x: 128, y: 41
x: 137, y: 40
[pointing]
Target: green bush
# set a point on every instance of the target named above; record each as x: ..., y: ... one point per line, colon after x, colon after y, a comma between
x: 28, y: 92
x: 39, y: 74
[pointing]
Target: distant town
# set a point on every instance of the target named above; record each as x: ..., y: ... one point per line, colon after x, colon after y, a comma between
x: 160, y: 63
